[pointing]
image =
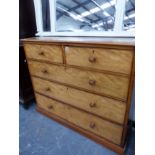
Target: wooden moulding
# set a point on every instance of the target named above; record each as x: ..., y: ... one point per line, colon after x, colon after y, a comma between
x: 82, y: 41
x: 106, y: 119
x: 100, y: 58
x: 116, y: 148
x: 82, y: 79
x: 82, y: 68
x: 132, y: 77
x: 79, y: 88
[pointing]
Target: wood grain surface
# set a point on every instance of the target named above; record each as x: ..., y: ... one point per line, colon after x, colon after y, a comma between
x: 100, y: 58
x: 44, y: 52
x: 101, y: 106
x: 89, y: 122
x: 84, y: 83
x: 94, y: 41
x: 110, y: 85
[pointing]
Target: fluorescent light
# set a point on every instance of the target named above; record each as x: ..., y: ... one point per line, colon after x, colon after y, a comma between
x: 78, y: 17
x: 130, y: 27
x: 97, y: 9
x: 85, y: 13
x: 113, y: 2
x: 106, y: 13
x: 96, y: 25
x: 107, y: 5
x: 100, y: 24
x: 110, y: 21
x: 130, y: 16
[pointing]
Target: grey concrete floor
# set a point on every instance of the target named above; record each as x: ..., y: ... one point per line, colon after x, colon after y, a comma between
x: 40, y: 135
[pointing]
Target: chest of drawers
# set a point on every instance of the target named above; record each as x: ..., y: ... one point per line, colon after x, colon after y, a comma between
x: 84, y: 84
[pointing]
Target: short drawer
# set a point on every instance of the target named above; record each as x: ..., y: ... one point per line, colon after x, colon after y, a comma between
x: 100, y: 83
x: 107, y: 108
x: 115, y: 60
x: 98, y: 126
x: 51, y: 53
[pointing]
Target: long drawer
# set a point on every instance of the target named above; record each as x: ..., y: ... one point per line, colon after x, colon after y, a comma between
x: 51, y: 53
x: 115, y: 60
x: 107, y: 108
x: 104, y: 84
x: 100, y: 127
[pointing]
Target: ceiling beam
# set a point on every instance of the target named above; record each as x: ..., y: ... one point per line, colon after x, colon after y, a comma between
x: 78, y: 6
x: 127, y: 12
x: 102, y: 9
x: 111, y: 5
x: 86, y: 9
x: 105, y: 26
x: 67, y: 13
x: 133, y: 5
x: 71, y: 9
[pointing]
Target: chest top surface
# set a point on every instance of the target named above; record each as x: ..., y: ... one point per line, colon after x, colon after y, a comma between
x: 129, y: 42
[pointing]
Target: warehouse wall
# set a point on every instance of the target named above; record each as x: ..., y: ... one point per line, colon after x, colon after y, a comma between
x: 67, y: 23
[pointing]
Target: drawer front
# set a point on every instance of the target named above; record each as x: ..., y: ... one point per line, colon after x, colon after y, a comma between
x: 84, y: 120
x: 114, y: 60
x: 104, y: 84
x: 101, y: 106
x: 51, y: 53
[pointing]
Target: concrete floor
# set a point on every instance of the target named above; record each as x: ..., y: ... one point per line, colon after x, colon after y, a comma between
x: 40, y: 135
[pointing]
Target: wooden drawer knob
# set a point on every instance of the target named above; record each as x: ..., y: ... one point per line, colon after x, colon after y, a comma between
x: 92, y: 104
x: 92, y: 59
x: 41, y: 53
x: 48, y: 89
x: 92, y: 125
x: 50, y: 107
x: 92, y: 82
x: 44, y: 71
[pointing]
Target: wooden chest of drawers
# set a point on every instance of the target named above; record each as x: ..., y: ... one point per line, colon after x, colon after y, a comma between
x: 84, y: 84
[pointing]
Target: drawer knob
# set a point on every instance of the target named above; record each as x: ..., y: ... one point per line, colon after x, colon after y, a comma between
x: 92, y: 104
x: 92, y: 59
x: 92, y: 125
x: 50, y: 107
x: 48, y: 89
x: 45, y: 71
x: 41, y: 53
x: 92, y: 82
